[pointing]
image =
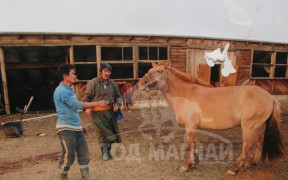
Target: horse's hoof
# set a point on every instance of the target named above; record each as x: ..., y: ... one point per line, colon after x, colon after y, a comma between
x: 249, y: 165
x: 183, y: 169
x: 232, y: 173
x: 193, y: 166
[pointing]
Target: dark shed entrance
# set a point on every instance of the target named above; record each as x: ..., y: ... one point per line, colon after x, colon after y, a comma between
x: 32, y: 71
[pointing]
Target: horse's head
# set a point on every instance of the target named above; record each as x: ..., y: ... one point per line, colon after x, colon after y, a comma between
x: 156, y: 77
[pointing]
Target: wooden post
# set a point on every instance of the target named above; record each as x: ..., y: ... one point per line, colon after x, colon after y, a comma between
x: 71, y: 61
x: 98, y: 58
x: 135, y: 62
x: 71, y: 55
x: 4, y: 82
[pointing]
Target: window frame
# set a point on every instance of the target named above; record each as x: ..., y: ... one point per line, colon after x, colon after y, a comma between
x: 149, y: 54
x: 272, y: 65
x: 136, y: 64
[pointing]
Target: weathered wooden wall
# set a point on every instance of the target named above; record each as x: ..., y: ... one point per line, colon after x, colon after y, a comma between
x: 25, y: 67
x: 178, y: 55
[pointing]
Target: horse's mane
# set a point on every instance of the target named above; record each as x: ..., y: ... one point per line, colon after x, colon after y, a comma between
x: 187, y: 77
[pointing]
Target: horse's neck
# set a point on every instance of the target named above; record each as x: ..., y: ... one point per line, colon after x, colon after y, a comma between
x: 176, y: 85
x: 169, y: 101
x: 175, y: 91
x: 176, y: 102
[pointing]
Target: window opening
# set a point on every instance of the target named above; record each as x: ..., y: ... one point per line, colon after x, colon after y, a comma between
x: 86, y: 71
x: 143, y: 68
x: 116, y: 53
x: 261, y: 66
x: 121, y: 71
x: 281, y: 65
x: 84, y: 53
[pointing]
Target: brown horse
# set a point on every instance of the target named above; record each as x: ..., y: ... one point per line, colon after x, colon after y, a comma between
x: 197, y: 106
x: 126, y: 90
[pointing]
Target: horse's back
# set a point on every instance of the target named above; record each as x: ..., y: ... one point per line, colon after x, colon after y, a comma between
x: 238, y: 93
x: 256, y: 91
x: 251, y: 98
x: 226, y: 107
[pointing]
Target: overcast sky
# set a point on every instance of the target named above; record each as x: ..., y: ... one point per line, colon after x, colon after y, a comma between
x: 257, y: 20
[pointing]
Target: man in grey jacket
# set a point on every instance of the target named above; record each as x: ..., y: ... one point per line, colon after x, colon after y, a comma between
x: 104, y: 118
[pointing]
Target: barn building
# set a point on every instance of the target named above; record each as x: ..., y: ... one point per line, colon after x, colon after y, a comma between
x: 29, y: 62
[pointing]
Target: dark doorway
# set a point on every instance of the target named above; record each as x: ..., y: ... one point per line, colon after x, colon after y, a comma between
x: 215, y: 74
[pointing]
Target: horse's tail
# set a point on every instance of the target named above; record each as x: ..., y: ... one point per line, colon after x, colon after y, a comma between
x: 273, y: 145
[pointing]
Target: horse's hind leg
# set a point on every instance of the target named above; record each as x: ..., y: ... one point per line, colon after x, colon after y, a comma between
x: 258, y: 141
x: 247, y: 143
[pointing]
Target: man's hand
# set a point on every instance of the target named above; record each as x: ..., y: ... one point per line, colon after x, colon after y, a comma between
x: 88, y: 112
x: 115, y: 108
x: 103, y: 103
x: 85, y: 130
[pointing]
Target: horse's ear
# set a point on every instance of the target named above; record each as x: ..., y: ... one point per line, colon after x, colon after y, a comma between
x: 154, y: 65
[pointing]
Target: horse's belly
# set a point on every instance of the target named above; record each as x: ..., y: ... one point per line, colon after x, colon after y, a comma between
x: 220, y: 124
x: 220, y: 118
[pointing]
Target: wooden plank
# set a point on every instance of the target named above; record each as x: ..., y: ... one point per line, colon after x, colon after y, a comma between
x: 243, y: 61
x: 81, y: 62
x: 4, y: 82
x: 280, y: 87
x: 204, y: 72
x: 178, y: 57
x: 33, y: 65
x: 265, y: 84
x: 245, y: 82
x: 231, y: 80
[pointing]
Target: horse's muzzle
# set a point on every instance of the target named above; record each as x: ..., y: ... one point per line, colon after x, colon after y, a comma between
x: 142, y: 88
x: 151, y: 84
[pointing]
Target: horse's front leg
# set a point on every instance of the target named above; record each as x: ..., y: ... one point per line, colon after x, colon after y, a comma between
x: 195, y: 159
x: 191, y: 150
x: 124, y: 96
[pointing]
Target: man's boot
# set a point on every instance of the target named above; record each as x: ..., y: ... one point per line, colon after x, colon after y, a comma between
x: 63, y: 176
x: 85, y: 175
x: 104, y: 149
x: 109, y: 151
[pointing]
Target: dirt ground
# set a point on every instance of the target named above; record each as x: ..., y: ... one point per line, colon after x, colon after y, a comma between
x: 152, y: 148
